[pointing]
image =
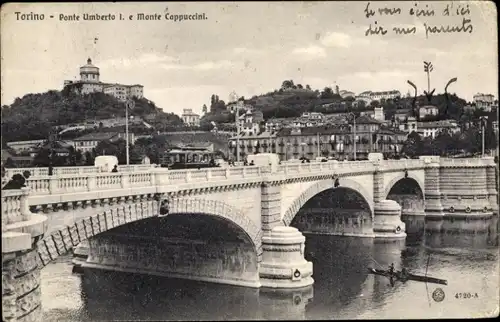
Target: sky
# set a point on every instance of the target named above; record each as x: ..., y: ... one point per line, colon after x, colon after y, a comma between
x: 248, y: 48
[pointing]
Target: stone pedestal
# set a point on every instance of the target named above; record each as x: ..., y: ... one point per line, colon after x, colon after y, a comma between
x: 491, y: 185
x: 433, y: 205
x: 387, y: 220
x: 283, y: 264
x: 21, y: 291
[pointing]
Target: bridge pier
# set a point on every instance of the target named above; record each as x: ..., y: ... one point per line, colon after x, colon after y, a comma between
x: 283, y: 264
x: 387, y: 220
x: 433, y: 206
x: 21, y: 289
x: 491, y: 184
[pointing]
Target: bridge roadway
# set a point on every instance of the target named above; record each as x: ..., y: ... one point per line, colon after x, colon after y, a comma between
x: 257, y: 202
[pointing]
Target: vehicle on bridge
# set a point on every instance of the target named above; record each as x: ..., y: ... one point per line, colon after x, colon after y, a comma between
x: 188, y: 158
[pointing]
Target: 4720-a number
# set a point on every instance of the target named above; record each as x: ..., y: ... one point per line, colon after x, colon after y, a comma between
x: 466, y: 295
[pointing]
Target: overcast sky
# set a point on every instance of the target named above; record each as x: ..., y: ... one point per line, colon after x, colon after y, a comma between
x: 247, y: 47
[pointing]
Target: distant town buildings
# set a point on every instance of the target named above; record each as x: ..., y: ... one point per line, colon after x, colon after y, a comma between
x: 345, y: 94
x: 88, y: 142
x: 250, y: 122
x: 484, y: 101
x: 90, y: 83
x: 190, y: 118
x: 380, y: 95
x: 427, y: 110
x: 333, y: 140
x: 432, y: 129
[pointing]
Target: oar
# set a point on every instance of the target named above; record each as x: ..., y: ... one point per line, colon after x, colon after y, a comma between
x: 426, y: 287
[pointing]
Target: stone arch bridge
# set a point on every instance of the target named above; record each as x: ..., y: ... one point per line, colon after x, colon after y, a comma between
x: 56, y: 213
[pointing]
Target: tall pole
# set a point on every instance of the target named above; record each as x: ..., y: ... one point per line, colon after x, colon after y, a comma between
x: 129, y: 104
x: 317, y: 146
x: 354, y: 134
x: 482, y: 137
x: 237, y: 120
x: 126, y: 133
x: 428, y: 82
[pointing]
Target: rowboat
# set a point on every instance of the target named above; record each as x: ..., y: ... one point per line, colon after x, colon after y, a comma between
x: 407, y: 277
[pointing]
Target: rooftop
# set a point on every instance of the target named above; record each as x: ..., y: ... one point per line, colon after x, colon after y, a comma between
x: 367, y: 120
x: 436, y: 124
x: 97, y: 136
x: 262, y: 135
x: 308, y: 131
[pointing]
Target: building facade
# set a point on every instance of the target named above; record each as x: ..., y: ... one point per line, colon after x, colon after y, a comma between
x: 327, y: 141
x: 484, y: 101
x: 432, y: 129
x: 190, y: 118
x: 90, y: 83
x: 88, y: 142
x: 369, y: 96
x: 427, y: 111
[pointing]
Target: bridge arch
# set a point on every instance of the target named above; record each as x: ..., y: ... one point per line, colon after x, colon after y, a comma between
x: 223, y: 210
x: 319, y: 187
x: 62, y: 241
x: 400, y: 177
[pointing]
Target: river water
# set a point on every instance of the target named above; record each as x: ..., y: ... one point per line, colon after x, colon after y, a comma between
x: 342, y: 290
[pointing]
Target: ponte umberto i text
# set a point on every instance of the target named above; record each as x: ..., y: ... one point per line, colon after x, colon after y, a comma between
x: 258, y: 205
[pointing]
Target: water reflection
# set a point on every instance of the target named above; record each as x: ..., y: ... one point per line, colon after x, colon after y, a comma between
x: 343, y: 288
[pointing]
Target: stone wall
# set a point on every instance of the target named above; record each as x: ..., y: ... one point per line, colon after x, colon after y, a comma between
x: 338, y: 221
x: 21, y: 292
x: 411, y: 204
x: 221, y: 262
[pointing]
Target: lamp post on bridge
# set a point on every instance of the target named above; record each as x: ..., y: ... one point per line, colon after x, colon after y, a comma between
x: 52, y: 137
x: 130, y: 104
x: 351, y: 114
x: 233, y: 97
x: 482, y: 119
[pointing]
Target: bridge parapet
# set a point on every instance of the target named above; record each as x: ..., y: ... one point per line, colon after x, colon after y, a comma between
x: 57, y: 171
x: 65, y: 184
x: 21, y: 230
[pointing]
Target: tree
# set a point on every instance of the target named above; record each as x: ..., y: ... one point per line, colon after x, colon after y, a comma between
x: 327, y: 93
x: 42, y: 158
x: 9, y: 163
x: 413, y: 145
x: 89, y: 158
x: 490, y: 138
x: 287, y: 84
x: 308, y: 87
x: 204, y: 109
x: 444, y: 143
x: 299, y: 86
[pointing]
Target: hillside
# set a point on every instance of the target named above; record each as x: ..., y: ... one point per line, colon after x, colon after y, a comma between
x: 32, y: 116
x: 293, y: 100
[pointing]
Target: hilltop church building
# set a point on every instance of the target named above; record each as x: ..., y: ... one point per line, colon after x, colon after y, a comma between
x: 89, y: 83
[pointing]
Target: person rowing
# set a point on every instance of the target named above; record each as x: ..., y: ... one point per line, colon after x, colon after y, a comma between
x: 391, y: 269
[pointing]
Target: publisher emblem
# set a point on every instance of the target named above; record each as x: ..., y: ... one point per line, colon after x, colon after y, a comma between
x: 438, y: 295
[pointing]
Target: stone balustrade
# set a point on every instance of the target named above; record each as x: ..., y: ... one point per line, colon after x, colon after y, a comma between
x: 57, y: 171
x: 99, y: 181
x: 64, y: 184
x: 68, y: 183
x: 291, y: 166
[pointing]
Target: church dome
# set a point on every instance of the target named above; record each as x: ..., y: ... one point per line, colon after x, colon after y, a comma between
x: 89, y: 68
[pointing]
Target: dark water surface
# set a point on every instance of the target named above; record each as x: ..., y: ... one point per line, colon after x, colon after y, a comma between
x: 342, y: 289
